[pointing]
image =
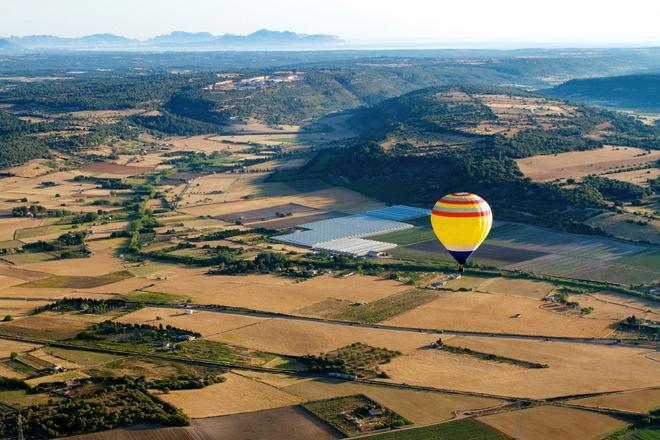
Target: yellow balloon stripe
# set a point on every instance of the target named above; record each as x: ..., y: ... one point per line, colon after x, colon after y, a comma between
x: 461, y: 221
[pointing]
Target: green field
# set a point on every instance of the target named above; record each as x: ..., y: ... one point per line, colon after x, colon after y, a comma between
x: 21, y: 234
x: 81, y: 357
x: 217, y: 351
x: 649, y: 259
x: 648, y: 433
x: 407, y: 236
x: 145, y: 296
x: 406, y: 253
x: 23, y: 398
x: 28, y: 257
x: 385, y: 308
x: 466, y: 429
x: 34, y: 362
x: 77, y: 282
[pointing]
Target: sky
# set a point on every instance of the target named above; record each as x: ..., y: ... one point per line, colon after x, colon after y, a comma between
x: 445, y: 22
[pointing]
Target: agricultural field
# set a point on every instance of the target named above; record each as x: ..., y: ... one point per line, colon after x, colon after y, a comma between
x: 639, y: 401
x: 8, y: 346
x: 291, y: 422
x: 516, y: 113
x: 628, y: 226
x: 49, y: 325
x: 572, y: 368
x: 330, y: 199
x: 206, y: 323
x: 273, y: 293
x: 579, y: 164
x: 420, y: 407
x: 237, y: 394
x: 511, y: 312
x: 355, y: 415
x: 575, y: 256
x: 119, y: 219
x: 641, y: 177
x: 467, y: 429
x: 299, y: 338
x: 76, y: 282
x: 103, y: 169
x: 384, y: 308
x: 18, y: 308
x: 59, y: 377
x: 551, y: 422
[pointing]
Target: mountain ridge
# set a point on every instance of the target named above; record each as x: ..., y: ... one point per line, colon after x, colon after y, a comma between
x: 261, y: 39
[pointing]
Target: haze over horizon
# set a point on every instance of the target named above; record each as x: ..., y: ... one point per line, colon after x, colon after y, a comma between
x: 472, y: 23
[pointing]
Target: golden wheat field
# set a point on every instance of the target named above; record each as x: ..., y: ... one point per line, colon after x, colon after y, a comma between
x: 640, y: 401
x: 302, y: 337
x: 237, y: 394
x: 8, y: 346
x: 572, y: 368
x: 17, y: 308
x: 554, y: 423
x: 206, y: 323
x: 273, y: 293
x: 494, y: 312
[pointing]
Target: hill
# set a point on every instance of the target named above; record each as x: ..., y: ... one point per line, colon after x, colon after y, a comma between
x: 7, y: 47
x: 272, y: 98
x: 630, y: 91
x: 442, y: 139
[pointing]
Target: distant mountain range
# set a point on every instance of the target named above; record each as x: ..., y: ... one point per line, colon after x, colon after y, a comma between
x: 263, y: 39
x: 7, y: 46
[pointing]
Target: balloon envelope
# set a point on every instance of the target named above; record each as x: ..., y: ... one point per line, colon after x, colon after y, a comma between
x: 461, y: 221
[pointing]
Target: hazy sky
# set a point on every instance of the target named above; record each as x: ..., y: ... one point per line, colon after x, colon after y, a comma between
x: 354, y: 20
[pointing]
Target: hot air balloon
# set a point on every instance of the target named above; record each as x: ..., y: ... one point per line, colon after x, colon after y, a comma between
x: 461, y: 221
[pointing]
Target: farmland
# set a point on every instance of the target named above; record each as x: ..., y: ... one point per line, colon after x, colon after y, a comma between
x: 583, y: 163
x: 420, y: 407
x: 547, y: 422
x: 201, y: 261
x: 641, y: 401
x: 354, y: 415
x: 463, y: 429
x: 238, y: 394
x: 571, y: 369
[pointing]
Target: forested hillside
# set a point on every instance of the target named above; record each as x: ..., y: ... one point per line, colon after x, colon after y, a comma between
x: 97, y: 92
x: 630, y: 91
x: 21, y: 141
x: 16, y: 146
x: 389, y: 161
x: 321, y: 91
